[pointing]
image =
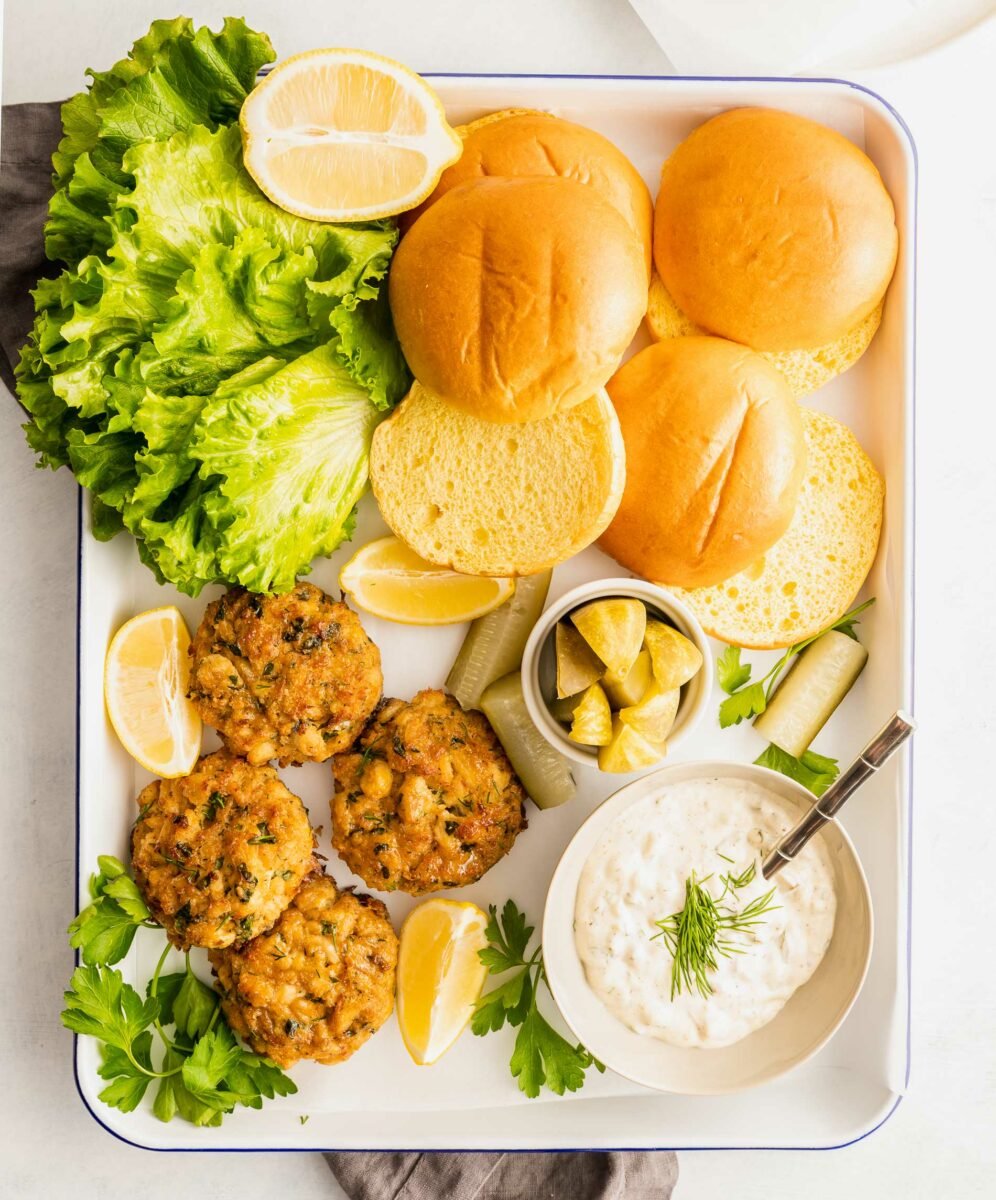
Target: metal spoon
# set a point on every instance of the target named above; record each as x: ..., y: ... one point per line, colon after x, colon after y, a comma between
x: 878, y: 751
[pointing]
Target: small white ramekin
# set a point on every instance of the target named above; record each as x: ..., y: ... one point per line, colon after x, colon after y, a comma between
x: 806, y: 1023
x: 539, y: 661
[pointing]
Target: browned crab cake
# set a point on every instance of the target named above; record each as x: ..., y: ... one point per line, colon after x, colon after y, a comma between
x: 426, y: 799
x: 319, y: 983
x: 219, y: 854
x: 290, y: 677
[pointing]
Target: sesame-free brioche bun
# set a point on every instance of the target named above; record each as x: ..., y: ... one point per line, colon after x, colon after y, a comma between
x: 715, y: 457
x: 813, y: 573
x: 549, y: 488
x: 518, y: 142
x: 516, y: 298
x: 805, y: 369
x: 773, y: 230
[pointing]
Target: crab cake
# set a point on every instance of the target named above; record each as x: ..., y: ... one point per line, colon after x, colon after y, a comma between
x: 319, y: 983
x: 219, y: 854
x: 426, y: 799
x: 290, y: 677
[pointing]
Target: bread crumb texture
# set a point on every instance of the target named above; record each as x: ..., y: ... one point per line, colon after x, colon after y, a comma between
x: 550, y: 487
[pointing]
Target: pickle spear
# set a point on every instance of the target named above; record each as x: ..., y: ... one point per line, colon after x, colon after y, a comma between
x: 545, y: 773
x: 805, y: 699
x: 494, y: 643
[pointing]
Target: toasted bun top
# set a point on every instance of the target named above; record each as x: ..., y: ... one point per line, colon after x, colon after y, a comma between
x: 773, y: 230
x: 517, y: 143
x: 515, y: 298
x: 715, y: 457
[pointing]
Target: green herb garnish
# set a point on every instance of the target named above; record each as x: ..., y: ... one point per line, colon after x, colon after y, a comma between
x: 541, y: 1056
x: 264, y: 837
x: 812, y: 770
x: 204, y: 1072
x: 104, y: 931
x: 702, y: 932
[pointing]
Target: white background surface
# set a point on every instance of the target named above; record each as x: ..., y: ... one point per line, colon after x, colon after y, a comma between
x: 940, y: 1142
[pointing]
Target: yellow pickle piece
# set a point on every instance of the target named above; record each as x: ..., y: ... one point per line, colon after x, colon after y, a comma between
x: 592, y: 724
x: 578, y: 666
x: 614, y: 629
x: 675, y: 659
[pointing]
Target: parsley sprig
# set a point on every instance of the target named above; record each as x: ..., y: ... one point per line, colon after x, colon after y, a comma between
x: 204, y: 1073
x: 104, y: 931
x: 746, y: 700
x: 541, y: 1056
x: 704, y: 930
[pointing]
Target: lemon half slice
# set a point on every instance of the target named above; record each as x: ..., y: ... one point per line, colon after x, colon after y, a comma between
x: 345, y: 135
x: 145, y: 689
x: 387, y: 579
x: 440, y: 975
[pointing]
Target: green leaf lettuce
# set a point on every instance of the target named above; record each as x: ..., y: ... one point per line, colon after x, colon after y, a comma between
x: 209, y: 366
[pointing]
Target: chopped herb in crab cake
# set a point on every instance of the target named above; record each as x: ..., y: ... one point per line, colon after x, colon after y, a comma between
x: 427, y: 798
x: 219, y: 853
x: 290, y: 677
x: 319, y: 983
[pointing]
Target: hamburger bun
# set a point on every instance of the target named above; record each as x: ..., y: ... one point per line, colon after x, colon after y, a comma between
x: 715, y: 457
x: 520, y: 515
x: 773, y: 230
x: 811, y: 575
x: 805, y: 370
x: 518, y: 142
x: 515, y: 298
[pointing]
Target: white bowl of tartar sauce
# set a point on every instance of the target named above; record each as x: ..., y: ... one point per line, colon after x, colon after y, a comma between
x: 787, y: 981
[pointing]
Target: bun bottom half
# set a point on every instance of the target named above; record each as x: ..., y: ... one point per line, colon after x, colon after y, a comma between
x: 547, y: 489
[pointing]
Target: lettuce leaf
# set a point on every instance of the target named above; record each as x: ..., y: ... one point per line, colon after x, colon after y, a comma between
x: 288, y: 462
x: 210, y: 366
x: 175, y: 78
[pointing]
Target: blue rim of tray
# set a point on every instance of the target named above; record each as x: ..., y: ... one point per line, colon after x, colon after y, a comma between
x: 912, y: 250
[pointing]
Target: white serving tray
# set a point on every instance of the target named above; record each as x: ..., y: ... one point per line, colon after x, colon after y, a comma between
x: 379, y: 1099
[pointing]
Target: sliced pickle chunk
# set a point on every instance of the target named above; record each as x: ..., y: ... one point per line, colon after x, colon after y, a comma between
x: 578, y: 667
x: 614, y: 629
x: 628, y: 751
x: 494, y: 643
x: 654, y: 715
x: 633, y: 687
x: 674, y: 658
x: 544, y: 772
x: 563, y: 708
x: 592, y: 723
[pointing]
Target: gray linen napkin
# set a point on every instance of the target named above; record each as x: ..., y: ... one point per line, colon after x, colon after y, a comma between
x: 28, y: 135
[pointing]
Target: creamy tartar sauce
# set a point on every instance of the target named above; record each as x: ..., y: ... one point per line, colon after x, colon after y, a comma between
x: 636, y: 876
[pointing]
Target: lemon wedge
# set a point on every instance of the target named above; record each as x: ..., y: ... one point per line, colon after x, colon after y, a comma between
x: 614, y: 629
x: 675, y: 659
x: 345, y: 135
x: 440, y: 975
x: 389, y: 580
x: 145, y: 690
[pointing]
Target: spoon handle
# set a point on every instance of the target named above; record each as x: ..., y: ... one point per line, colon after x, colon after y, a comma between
x: 878, y: 751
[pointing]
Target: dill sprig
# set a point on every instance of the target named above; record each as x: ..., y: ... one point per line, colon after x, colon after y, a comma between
x: 701, y: 932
